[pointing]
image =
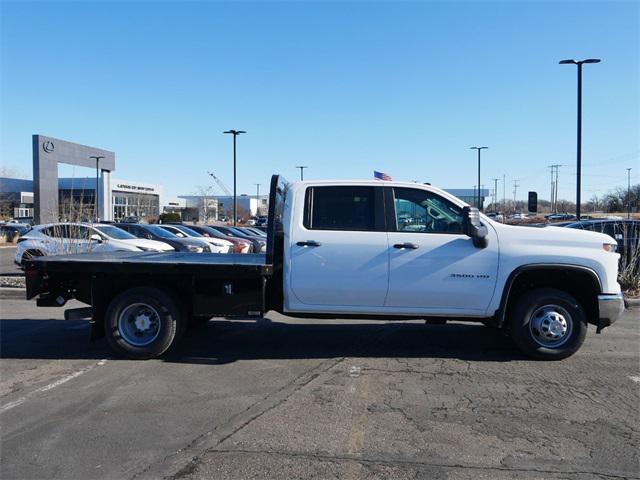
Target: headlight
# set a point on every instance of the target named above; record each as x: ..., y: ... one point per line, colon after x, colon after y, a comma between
x: 195, y: 249
x: 147, y: 249
x: 610, y: 247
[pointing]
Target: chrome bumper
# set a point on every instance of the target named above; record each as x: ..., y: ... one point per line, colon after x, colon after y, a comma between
x: 610, y: 307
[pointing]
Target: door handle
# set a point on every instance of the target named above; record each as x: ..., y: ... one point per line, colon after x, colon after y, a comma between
x: 409, y: 245
x: 309, y: 243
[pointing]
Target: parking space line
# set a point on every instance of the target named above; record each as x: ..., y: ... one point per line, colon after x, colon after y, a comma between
x: 46, y: 388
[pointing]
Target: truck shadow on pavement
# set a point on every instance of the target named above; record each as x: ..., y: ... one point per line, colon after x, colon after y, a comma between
x: 222, y: 341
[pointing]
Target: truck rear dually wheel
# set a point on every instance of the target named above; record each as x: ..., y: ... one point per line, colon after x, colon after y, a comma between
x: 548, y: 324
x: 142, y: 323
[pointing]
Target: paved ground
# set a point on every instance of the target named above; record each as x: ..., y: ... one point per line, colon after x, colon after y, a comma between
x: 7, y: 266
x: 285, y: 398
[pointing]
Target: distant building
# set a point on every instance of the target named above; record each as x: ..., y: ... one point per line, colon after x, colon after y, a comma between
x: 126, y: 198
x: 215, y: 207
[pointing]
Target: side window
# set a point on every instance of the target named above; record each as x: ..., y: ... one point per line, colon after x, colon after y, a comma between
x: 49, y: 232
x: 341, y: 208
x: 77, y: 232
x: 422, y: 211
x: 57, y: 231
x: 608, y: 229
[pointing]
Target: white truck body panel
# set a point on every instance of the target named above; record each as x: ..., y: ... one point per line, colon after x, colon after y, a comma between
x: 360, y: 272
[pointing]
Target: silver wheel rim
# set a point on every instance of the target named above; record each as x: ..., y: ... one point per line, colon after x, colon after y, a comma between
x: 139, y: 324
x: 551, y: 326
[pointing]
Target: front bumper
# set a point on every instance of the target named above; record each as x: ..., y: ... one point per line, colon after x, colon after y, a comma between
x: 611, y: 307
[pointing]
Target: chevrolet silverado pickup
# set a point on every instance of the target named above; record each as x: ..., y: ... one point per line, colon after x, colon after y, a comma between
x: 353, y: 249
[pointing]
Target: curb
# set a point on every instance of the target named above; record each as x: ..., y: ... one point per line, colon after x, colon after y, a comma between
x: 632, y: 302
x: 13, y: 293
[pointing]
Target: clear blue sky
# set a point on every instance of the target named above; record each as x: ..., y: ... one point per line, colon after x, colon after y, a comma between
x: 345, y: 88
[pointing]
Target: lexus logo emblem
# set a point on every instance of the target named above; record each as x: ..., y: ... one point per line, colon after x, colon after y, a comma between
x: 48, y: 146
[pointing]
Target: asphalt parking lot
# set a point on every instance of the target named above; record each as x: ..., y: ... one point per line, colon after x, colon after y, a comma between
x: 7, y: 257
x: 287, y: 398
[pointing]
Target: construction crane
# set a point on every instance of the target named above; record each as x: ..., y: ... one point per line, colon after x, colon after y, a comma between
x: 222, y: 186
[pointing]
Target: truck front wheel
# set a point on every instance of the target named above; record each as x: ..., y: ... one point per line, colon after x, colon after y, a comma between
x: 142, y: 323
x: 548, y: 324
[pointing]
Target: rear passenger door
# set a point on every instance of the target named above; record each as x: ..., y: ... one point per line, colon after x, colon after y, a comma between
x: 338, y: 255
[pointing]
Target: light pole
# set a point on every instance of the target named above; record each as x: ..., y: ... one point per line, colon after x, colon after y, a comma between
x: 301, y: 167
x: 97, y: 159
x: 628, y: 193
x: 579, y: 146
x: 257, y: 199
x: 235, y: 133
x: 478, y: 149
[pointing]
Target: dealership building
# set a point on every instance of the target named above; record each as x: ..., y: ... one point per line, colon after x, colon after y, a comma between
x: 77, y: 198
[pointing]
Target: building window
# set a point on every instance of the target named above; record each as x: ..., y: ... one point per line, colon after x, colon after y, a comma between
x: 126, y: 204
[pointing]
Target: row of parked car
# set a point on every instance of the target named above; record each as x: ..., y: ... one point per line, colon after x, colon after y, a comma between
x: 67, y: 238
x: 11, y: 231
x: 70, y: 238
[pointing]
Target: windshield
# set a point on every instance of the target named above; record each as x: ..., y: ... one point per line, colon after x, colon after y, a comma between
x: 224, y: 230
x: 114, y: 232
x: 188, y: 231
x: 161, y: 232
x: 211, y: 232
x: 238, y: 232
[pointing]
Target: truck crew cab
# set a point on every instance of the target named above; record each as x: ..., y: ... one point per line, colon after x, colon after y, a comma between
x: 357, y: 249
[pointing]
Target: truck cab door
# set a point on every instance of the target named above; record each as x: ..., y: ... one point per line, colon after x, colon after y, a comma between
x: 337, y: 258
x: 434, y: 268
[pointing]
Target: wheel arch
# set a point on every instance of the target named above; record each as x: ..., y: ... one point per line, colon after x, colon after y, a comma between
x: 30, y: 253
x: 579, y: 281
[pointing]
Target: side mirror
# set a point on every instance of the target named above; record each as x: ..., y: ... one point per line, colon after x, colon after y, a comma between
x: 96, y: 238
x: 473, y: 228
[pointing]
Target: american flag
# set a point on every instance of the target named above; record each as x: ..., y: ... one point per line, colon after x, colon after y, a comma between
x: 381, y: 176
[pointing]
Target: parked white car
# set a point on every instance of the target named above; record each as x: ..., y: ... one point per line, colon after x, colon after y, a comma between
x: 69, y: 238
x: 217, y: 245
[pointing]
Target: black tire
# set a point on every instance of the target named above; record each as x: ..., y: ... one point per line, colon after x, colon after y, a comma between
x: 166, y: 316
x: 532, y: 335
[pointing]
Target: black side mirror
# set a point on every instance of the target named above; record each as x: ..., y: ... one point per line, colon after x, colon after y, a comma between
x: 473, y: 228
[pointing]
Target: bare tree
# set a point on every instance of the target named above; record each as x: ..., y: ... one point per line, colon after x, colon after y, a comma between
x: 206, y: 204
x: 12, y: 172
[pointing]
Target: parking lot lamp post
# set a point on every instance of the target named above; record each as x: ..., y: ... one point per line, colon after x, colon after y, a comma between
x: 579, y: 142
x: 478, y: 149
x: 628, y: 193
x: 97, y: 159
x: 257, y: 199
x: 301, y: 167
x: 235, y: 133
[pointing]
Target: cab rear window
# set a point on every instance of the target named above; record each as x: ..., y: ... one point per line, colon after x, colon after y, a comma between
x: 351, y: 208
